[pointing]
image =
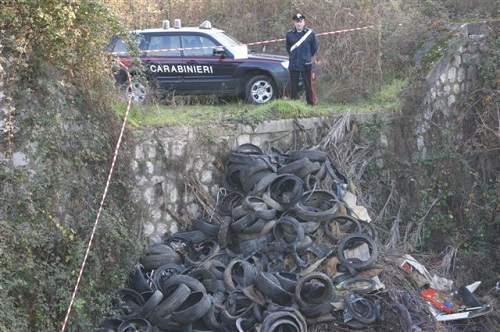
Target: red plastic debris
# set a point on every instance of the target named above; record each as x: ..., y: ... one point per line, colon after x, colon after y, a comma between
x: 437, y: 300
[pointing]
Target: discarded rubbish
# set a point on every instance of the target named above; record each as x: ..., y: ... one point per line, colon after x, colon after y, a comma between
x: 438, y: 299
x: 445, y: 303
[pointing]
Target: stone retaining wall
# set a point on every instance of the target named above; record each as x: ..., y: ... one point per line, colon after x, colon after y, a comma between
x: 168, y: 160
x: 451, y: 78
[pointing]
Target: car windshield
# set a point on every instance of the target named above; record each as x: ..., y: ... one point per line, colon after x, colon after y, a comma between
x: 225, y: 39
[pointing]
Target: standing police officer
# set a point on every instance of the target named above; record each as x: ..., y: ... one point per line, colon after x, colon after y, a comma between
x: 301, y: 45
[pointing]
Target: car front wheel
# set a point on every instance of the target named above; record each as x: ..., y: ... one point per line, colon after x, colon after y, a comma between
x: 260, y: 90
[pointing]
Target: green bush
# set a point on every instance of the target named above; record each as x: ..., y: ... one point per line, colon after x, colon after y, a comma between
x: 56, y: 77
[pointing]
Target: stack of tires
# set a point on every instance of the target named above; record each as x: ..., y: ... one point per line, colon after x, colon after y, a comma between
x: 262, y: 266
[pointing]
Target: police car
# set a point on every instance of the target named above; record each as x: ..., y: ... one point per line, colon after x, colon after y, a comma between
x: 199, y: 61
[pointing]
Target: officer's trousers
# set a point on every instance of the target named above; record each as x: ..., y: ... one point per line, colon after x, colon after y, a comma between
x: 308, y: 85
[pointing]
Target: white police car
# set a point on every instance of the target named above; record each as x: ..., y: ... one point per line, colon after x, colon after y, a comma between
x: 200, y: 61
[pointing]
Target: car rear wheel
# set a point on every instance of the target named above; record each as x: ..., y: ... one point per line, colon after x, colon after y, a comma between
x: 137, y: 90
x: 260, y: 90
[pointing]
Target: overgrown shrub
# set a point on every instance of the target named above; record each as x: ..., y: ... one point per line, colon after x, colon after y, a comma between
x: 55, y: 75
x: 49, y: 207
x: 68, y: 34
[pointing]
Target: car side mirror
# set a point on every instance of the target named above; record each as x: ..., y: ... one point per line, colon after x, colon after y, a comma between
x: 219, y: 51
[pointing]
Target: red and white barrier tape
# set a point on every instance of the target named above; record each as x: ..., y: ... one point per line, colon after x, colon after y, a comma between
x: 108, y: 181
x: 318, y: 34
x: 248, y: 44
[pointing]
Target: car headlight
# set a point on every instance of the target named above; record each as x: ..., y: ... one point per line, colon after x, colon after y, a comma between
x: 285, y: 64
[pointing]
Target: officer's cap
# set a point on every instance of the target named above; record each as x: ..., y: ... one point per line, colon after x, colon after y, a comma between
x: 298, y: 17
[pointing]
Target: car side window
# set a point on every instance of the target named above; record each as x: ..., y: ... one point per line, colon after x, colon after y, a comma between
x: 197, y: 46
x: 164, y: 46
x: 121, y: 46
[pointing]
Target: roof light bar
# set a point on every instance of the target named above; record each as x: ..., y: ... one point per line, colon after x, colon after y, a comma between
x: 205, y: 25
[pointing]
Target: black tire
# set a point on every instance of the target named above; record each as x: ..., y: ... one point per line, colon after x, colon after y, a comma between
x: 195, y: 307
x: 172, y: 301
x: 362, y: 309
x: 260, y: 89
x: 339, y: 226
x: 267, y: 283
x: 135, y: 324
x: 355, y: 240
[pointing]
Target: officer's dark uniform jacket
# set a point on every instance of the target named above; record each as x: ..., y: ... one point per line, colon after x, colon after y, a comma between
x: 303, y: 54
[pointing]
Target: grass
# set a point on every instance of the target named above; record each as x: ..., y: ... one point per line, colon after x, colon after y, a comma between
x: 387, y: 98
x: 197, y: 110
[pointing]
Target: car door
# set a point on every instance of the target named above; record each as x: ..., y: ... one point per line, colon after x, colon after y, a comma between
x: 162, y: 59
x: 204, y: 72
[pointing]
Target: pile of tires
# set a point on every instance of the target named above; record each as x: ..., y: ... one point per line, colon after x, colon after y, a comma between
x: 259, y: 265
